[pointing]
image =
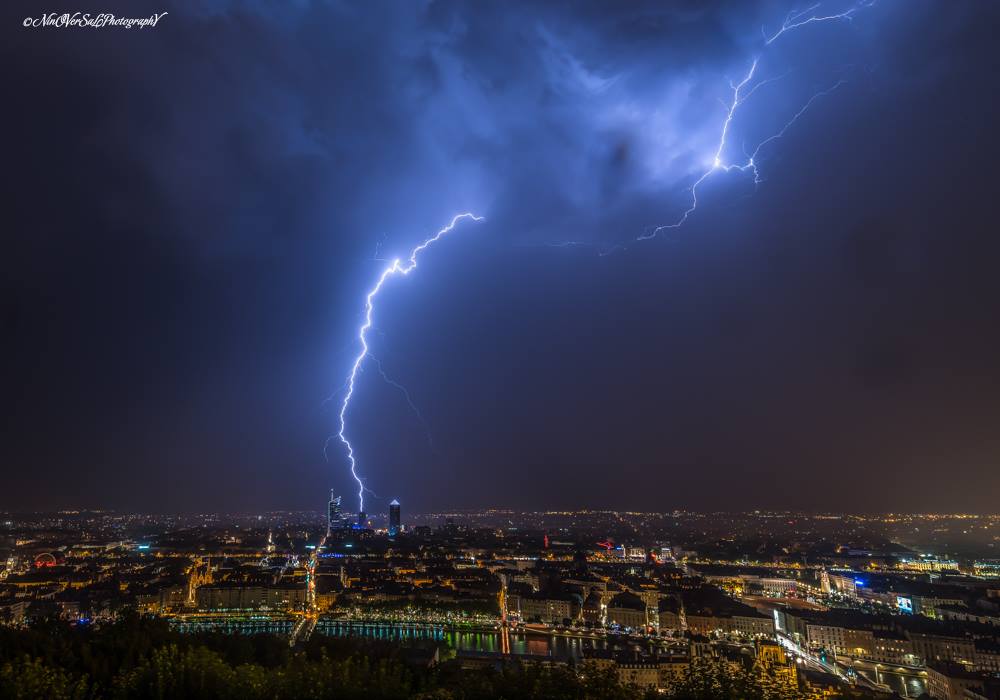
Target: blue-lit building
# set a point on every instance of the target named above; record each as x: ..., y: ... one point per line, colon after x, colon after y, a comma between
x: 335, y: 519
x: 394, y: 519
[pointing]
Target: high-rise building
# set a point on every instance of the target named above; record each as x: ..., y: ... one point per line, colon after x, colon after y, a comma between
x: 335, y: 519
x: 394, y: 520
x: 362, y: 519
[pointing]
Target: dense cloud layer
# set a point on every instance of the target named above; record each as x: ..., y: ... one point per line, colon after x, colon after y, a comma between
x: 199, y: 208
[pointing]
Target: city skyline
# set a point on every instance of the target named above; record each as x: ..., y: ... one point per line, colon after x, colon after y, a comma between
x: 818, y: 606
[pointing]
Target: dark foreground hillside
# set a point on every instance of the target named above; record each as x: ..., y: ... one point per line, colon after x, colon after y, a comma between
x: 143, y: 658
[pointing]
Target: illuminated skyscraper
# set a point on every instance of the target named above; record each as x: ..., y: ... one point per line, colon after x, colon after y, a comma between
x: 394, y: 521
x: 335, y: 519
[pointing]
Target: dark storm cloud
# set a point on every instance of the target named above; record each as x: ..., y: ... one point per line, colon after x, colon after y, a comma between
x: 197, y: 207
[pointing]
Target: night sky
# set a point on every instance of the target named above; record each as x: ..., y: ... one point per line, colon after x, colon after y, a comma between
x: 195, y: 212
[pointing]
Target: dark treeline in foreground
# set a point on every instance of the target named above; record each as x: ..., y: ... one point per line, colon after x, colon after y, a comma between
x: 143, y: 658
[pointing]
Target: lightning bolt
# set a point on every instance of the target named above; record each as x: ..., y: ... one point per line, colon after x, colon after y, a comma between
x: 717, y: 163
x: 794, y: 19
x: 397, y: 267
x: 741, y: 93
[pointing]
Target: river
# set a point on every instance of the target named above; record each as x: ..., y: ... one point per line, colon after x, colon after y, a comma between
x: 560, y: 647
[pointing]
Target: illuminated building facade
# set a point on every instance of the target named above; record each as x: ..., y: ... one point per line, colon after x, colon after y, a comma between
x: 335, y: 516
x: 394, y: 519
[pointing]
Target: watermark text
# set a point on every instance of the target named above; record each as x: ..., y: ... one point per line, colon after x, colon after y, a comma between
x: 86, y: 20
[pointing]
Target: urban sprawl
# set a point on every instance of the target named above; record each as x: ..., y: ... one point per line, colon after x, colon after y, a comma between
x: 826, y: 604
